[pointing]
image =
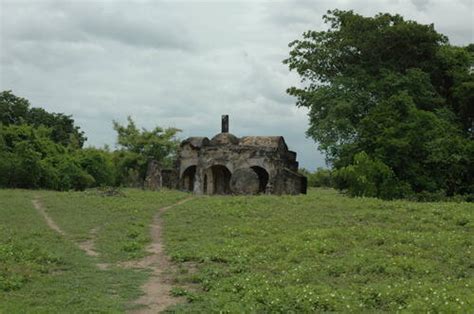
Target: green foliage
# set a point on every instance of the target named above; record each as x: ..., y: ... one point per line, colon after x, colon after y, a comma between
x: 424, y: 149
x: 158, y: 144
x: 13, y: 109
x: 24, y: 147
x: 30, y: 159
x: 44, y: 150
x: 16, y: 110
x: 130, y: 168
x: 394, y: 89
x: 320, y: 178
x: 370, y: 178
x: 72, y: 176
x: 138, y: 147
x: 453, y: 78
x: 99, y: 164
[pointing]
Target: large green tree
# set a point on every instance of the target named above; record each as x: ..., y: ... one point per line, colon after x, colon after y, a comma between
x: 137, y: 147
x: 393, y: 89
x: 39, y: 149
x: 30, y: 159
x: 17, y: 111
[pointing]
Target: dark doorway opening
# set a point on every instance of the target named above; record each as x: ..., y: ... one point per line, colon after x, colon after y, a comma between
x: 188, y: 178
x: 221, y: 179
x: 262, y: 178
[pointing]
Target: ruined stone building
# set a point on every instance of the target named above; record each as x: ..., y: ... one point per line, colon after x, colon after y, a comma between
x: 227, y: 164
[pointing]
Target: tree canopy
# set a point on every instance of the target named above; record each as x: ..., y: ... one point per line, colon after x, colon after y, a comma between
x: 395, y: 90
x: 136, y: 148
x: 16, y: 110
x: 39, y: 149
x: 158, y: 144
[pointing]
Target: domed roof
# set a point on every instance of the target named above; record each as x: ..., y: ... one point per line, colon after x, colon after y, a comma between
x: 225, y: 139
x: 196, y: 142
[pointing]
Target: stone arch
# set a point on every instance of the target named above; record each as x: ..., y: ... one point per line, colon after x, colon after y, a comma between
x: 185, y: 164
x: 188, y: 178
x: 263, y: 177
x: 217, y: 180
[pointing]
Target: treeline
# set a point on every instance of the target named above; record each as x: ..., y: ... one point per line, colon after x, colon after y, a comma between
x: 337, y: 179
x: 391, y: 104
x: 45, y: 150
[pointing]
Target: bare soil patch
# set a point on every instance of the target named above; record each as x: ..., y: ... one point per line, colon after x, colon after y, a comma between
x: 157, y: 291
x: 49, y: 221
x: 87, y: 246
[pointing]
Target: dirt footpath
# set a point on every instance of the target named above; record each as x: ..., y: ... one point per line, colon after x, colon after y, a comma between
x: 157, y: 290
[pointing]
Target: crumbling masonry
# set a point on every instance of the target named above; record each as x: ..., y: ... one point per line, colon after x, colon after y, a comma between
x: 227, y: 164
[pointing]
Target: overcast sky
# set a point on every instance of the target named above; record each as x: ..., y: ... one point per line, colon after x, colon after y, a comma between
x: 180, y: 63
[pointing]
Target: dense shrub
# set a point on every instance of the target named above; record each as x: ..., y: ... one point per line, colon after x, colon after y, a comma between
x: 44, y: 150
x: 136, y: 148
x: 371, y: 178
x: 130, y: 167
x: 30, y: 159
x: 23, y: 148
x: 72, y: 175
x: 320, y: 178
x: 16, y: 110
x: 99, y: 164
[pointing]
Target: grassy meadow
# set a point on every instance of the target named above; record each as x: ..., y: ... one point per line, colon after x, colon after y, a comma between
x: 41, y: 271
x: 317, y: 252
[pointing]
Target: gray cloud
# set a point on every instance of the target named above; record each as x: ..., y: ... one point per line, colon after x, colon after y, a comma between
x: 97, y: 22
x: 421, y: 5
x: 130, y: 26
x: 180, y: 64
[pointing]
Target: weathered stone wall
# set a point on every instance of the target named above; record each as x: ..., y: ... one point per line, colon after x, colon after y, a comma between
x: 289, y: 182
x: 170, y: 178
x: 153, y: 176
x: 244, y: 181
x: 258, y: 163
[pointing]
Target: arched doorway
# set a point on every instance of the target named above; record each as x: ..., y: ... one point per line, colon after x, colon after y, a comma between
x: 220, y: 180
x: 262, y: 178
x: 188, y: 178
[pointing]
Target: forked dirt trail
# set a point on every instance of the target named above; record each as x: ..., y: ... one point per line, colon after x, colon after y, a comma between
x: 86, y: 246
x: 157, y: 291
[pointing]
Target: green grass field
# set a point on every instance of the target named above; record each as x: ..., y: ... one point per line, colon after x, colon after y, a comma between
x: 40, y: 271
x: 316, y: 252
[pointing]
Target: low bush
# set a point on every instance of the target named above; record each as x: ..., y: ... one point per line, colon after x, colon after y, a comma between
x: 370, y: 178
x: 320, y: 178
